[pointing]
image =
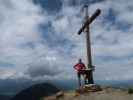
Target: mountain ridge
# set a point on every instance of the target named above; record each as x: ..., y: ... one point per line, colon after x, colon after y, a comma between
x: 37, y: 91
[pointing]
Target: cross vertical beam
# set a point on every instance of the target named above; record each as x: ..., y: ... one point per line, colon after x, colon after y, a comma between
x: 86, y: 28
x: 88, y: 46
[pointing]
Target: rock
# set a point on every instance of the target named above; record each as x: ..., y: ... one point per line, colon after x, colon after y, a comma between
x: 81, y: 90
x: 92, y: 88
x: 50, y: 98
x: 77, y: 94
x: 56, y: 96
x: 88, y: 88
x: 60, y: 94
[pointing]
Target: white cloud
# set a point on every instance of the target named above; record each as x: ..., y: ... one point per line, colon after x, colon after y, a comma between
x: 6, y: 73
x: 19, y: 30
x: 109, y: 40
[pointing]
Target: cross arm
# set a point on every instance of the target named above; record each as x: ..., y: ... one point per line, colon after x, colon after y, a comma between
x: 89, y: 21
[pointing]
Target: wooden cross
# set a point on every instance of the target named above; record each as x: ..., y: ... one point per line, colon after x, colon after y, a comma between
x: 86, y: 28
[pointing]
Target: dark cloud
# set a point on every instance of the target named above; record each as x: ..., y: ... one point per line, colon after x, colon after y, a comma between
x: 55, y: 40
x: 82, y: 2
x: 41, y: 70
x: 51, y: 6
x: 92, y: 1
x: 110, y: 16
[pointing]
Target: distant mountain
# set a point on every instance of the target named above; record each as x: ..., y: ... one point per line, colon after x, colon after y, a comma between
x: 35, y: 92
x: 13, y: 86
x: 4, y: 97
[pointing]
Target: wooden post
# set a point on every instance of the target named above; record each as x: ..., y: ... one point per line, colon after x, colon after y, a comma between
x: 86, y: 28
x: 88, y: 46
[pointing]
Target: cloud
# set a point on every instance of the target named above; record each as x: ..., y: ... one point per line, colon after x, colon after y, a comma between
x: 41, y: 45
x: 21, y: 42
x: 111, y: 36
x: 45, y: 66
x: 52, y: 7
x: 6, y: 73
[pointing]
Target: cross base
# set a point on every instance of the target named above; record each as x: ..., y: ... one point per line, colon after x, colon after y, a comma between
x: 88, y: 76
x: 89, y: 88
x: 92, y: 88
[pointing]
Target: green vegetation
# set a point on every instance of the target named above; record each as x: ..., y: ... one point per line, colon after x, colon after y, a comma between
x: 41, y: 99
x: 130, y: 90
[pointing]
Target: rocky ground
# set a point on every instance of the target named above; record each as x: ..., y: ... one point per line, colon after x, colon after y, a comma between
x: 107, y: 93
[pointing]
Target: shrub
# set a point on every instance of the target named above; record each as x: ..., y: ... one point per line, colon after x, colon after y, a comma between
x: 130, y: 90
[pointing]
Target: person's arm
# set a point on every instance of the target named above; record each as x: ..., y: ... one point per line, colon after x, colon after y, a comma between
x: 75, y: 66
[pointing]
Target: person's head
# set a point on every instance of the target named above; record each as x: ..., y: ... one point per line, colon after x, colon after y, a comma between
x: 80, y: 60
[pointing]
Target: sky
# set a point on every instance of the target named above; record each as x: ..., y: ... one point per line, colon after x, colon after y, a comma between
x: 39, y: 39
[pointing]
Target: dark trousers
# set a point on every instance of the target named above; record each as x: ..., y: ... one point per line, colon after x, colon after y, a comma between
x: 79, y: 78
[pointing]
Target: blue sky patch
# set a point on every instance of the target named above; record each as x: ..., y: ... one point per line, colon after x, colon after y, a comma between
x: 51, y: 6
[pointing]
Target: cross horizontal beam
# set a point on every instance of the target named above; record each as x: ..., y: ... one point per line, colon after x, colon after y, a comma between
x: 89, y: 21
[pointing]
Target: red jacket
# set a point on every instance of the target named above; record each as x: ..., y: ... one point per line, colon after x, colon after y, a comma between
x: 79, y: 67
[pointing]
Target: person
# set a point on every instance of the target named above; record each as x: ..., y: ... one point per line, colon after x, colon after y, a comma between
x: 79, y: 67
